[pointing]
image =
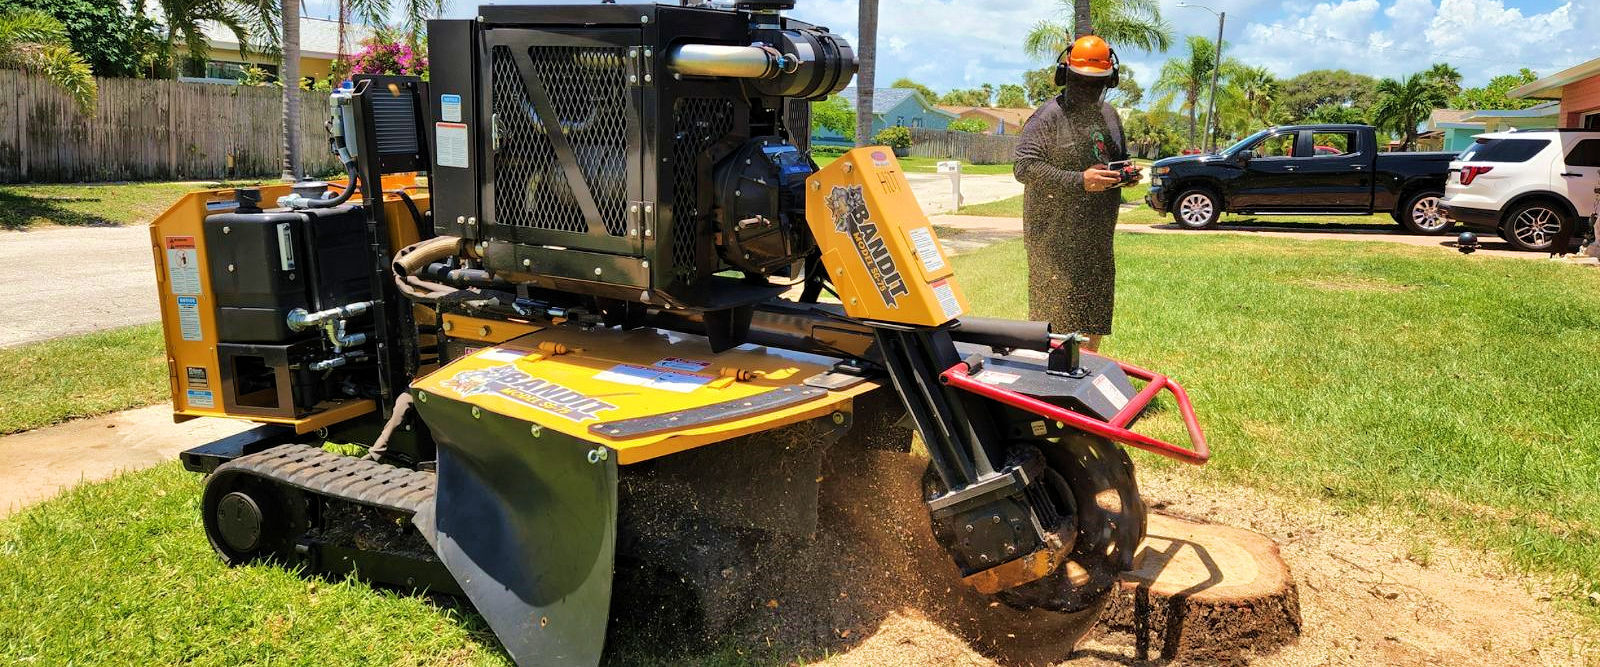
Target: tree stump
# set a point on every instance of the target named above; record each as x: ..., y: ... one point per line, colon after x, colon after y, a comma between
x: 1205, y: 593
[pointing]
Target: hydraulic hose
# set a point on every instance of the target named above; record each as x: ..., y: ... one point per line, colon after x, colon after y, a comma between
x: 344, y: 196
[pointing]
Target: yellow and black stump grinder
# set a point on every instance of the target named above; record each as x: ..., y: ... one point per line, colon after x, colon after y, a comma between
x: 589, y: 342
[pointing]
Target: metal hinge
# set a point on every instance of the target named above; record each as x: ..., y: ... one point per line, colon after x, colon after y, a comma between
x: 641, y: 218
x: 639, y: 65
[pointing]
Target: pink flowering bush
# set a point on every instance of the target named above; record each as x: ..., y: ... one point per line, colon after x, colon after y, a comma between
x: 389, y: 58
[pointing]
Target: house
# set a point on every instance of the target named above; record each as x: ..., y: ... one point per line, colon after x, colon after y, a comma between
x: 319, y: 47
x: 1539, y: 116
x: 1448, y: 130
x: 890, y: 107
x: 1576, y: 88
x: 998, y: 120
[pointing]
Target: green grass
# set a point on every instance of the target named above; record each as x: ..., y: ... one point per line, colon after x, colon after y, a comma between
x: 1144, y: 215
x: 53, y: 381
x: 928, y: 165
x: 1453, y: 392
x: 120, y: 573
x: 79, y: 205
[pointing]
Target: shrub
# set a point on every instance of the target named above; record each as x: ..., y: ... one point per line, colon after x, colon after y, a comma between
x: 972, y: 125
x: 389, y: 58
x: 895, y: 137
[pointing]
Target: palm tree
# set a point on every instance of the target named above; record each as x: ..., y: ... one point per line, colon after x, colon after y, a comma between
x: 185, y: 20
x: 1132, y: 23
x: 1188, y: 77
x: 289, y: 75
x: 1245, y: 100
x: 867, y: 57
x: 1405, y: 103
x: 34, y: 41
x: 1445, y: 76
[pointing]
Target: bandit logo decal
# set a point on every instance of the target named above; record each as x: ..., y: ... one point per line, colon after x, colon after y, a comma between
x: 850, y: 216
x: 537, y: 393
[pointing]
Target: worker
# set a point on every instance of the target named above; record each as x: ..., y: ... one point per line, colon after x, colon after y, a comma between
x: 1070, y: 197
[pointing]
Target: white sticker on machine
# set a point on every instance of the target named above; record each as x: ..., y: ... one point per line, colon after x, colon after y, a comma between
x: 946, y: 294
x: 189, y: 318
x: 678, y: 364
x: 1110, y: 391
x: 652, y: 378
x: 450, y: 108
x: 200, y: 398
x: 285, y: 246
x: 183, y: 265
x: 450, y: 140
x: 927, y: 248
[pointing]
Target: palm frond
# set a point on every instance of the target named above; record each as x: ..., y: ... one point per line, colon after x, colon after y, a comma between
x: 1046, y: 40
x: 30, y: 26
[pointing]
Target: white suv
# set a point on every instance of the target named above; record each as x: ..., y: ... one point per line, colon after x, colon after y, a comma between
x: 1531, y: 187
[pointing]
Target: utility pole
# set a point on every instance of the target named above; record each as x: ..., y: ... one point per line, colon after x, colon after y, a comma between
x: 1210, y: 142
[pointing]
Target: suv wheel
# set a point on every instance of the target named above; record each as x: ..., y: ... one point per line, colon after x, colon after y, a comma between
x: 1536, y: 225
x: 1197, y: 209
x: 1421, y: 214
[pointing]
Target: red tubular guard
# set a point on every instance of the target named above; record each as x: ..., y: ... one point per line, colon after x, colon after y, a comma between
x: 1115, y: 429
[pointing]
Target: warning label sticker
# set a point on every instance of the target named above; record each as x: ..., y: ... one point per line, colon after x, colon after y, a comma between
x: 197, y: 377
x: 183, y: 265
x: 200, y: 398
x: 927, y: 248
x: 947, y: 299
x: 652, y: 378
x: 1110, y: 391
x: 450, y: 140
x: 996, y: 377
x: 189, y: 318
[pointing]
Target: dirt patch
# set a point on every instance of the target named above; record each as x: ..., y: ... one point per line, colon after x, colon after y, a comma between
x: 875, y: 590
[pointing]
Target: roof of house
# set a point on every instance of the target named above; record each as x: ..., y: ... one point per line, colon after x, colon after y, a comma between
x: 884, y: 99
x: 319, y: 38
x: 1004, y: 114
x: 1540, y: 110
x: 1446, y: 118
x: 1549, y: 88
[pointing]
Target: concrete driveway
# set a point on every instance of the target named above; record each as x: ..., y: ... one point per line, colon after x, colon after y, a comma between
x: 936, y: 196
x: 71, y: 280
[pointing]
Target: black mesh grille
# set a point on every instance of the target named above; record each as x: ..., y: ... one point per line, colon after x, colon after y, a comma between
x: 697, y: 123
x: 587, y: 88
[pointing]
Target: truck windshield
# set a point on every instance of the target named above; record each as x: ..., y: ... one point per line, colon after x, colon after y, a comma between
x: 1244, y: 142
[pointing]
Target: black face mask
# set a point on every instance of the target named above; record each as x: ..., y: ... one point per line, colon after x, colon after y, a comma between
x: 1083, y: 90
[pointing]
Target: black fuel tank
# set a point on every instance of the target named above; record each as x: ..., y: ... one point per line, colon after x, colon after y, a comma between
x: 265, y: 264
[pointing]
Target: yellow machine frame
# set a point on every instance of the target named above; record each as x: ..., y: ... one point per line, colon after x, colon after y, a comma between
x: 177, y: 236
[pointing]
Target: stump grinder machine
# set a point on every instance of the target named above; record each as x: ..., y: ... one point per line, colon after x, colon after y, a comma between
x: 591, y: 310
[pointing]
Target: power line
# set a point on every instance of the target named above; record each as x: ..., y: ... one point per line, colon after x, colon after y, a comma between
x: 1434, y: 54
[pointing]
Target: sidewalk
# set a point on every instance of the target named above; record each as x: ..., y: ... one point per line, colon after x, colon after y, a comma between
x: 42, y: 463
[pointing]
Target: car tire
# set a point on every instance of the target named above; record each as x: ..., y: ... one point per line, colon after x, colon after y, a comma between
x: 1196, y: 208
x: 1420, y: 214
x: 1534, y: 226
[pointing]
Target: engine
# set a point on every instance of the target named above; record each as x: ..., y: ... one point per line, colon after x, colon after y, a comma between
x: 647, y: 154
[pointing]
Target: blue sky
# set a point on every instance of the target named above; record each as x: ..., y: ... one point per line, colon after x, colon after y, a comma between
x: 962, y: 43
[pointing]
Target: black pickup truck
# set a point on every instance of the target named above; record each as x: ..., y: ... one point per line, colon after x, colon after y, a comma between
x: 1324, y: 169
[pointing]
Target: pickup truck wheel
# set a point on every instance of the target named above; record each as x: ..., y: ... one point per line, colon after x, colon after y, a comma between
x: 1534, y: 226
x: 1197, y: 209
x: 1421, y: 214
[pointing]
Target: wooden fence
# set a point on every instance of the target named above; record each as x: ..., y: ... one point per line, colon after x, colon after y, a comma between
x: 151, y: 129
x: 966, y: 146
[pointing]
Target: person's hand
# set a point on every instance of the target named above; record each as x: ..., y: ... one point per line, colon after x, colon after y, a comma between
x: 1099, y: 179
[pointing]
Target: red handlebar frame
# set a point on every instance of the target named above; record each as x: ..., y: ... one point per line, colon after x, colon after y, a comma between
x: 960, y: 377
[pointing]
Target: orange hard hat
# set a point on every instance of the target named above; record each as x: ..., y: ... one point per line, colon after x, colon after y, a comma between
x: 1091, y: 56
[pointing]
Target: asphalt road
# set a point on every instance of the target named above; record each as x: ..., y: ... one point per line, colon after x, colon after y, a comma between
x: 71, y: 280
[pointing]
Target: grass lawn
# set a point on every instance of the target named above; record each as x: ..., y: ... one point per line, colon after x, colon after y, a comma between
x: 1456, y: 392
x: 1144, y: 215
x: 1450, y: 392
x: 93, y: 204
x: 52, y: 381
x: 928, y: 165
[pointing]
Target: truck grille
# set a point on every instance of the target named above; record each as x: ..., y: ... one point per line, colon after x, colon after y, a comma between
x: 697, y: 123
x: 588, y: 92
